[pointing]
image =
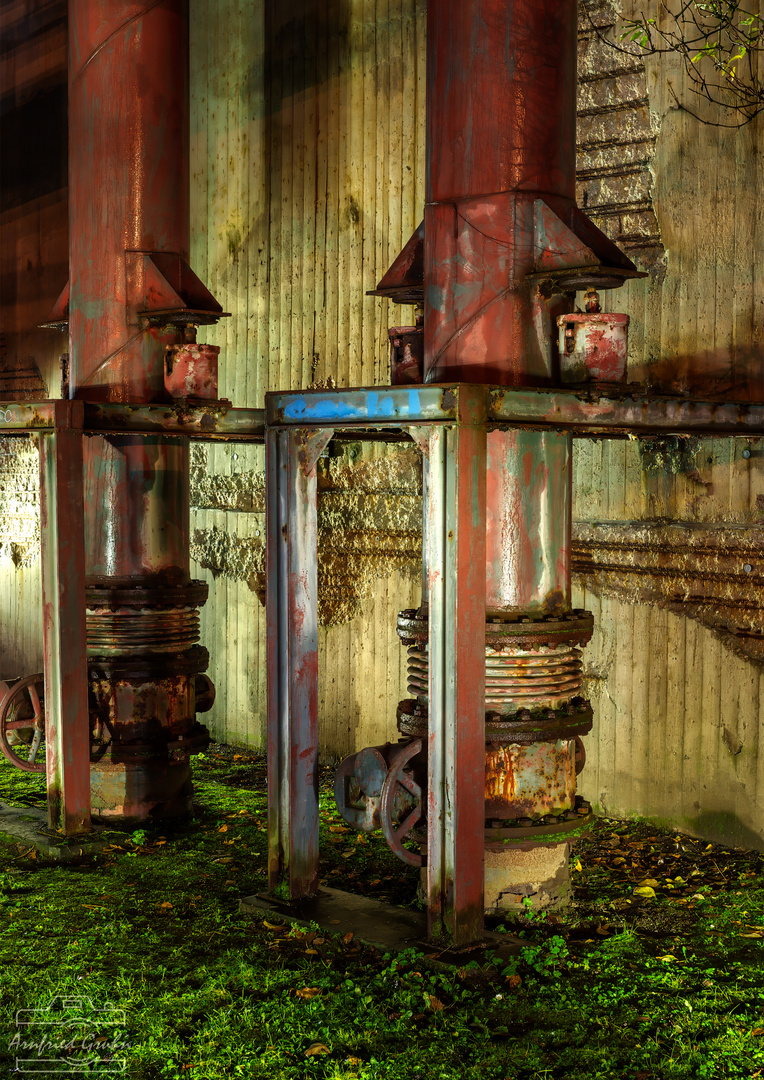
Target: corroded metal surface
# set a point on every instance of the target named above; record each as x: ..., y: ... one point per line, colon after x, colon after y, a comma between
x: 546, y: 676
x: 191, y: 370
x: 133, y: 302
x: 63, y: 592
x: 292, y: 602
x: 128, y: 184
x: 22, y: 723
x: 522, y: 630
x: 593, y: 346
x: 526, y: 726
x: 528, y: 501
x: 456, y: 691
x: 530, y: 780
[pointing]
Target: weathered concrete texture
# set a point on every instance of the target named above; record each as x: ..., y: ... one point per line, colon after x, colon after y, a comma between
x: 244, y: 492
x: 240, y: 558
x: 19, y: 501
x: 538, y: 873
x: 616, y: 138
x: 369, y: 525
x: 677, y: 722
x: 697, y: 480
x: 710, y: 573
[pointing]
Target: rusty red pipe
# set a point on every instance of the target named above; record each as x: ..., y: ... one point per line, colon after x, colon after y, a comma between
x: 128, y: 183
x: 129, y: 195
x: 501, y: 125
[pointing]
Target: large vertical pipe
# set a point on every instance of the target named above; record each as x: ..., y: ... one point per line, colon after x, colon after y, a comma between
x: 128, y: 182
x: 129, y: 192
x: 501, y: 125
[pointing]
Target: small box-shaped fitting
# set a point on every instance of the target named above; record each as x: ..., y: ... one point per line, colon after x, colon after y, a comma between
x: 191, y: 371
x: 406, y: 354
x: 593, y: 347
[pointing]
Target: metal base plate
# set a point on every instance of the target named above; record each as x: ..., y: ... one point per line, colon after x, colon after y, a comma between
x: 375, y: 923
x: 29, y: 826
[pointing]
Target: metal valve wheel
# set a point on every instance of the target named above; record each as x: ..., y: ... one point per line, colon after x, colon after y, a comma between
x: 22, y: 717
x: 398, y: 816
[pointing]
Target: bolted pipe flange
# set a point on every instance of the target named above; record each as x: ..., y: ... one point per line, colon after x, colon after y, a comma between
x: 529, y: 631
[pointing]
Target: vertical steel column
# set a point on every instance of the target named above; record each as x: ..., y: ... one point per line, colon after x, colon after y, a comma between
x: 292, y: 619
x: 456, y: 732
x: 67, y: 726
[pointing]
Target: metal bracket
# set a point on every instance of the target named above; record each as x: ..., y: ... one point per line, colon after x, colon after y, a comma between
x: 312, y: 442
x: 421, y: 436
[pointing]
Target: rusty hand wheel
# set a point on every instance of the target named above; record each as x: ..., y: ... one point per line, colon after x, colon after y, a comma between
x: 398, y: 789
x: 21, y: 711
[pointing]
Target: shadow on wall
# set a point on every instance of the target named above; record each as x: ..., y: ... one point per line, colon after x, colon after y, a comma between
x: 710, y: 375
x: 724, y: 827
x: 307, y: 42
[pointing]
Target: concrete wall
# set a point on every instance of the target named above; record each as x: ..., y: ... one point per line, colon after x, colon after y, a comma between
x: 307, y: 180
x: 668, y: 534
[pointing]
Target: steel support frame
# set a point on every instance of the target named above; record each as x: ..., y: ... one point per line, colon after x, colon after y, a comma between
x: 289, y: 423
x: 67, y: 725
x: 292, y: 636
x: 456, y: 528
x: 456, y: 736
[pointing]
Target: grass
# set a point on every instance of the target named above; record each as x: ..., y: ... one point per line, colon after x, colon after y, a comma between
x: 619, y: 986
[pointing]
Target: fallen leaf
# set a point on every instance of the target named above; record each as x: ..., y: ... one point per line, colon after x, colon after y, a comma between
x: 273, y: 925
x: 307, y: 993
x: 223, y: 828
x: 165, y: 904
x: 647, y: 891
x: 515, y: 981
x: 319, y: 941
x: 669, y: 958
x: 757, y: 1031
x: 316, y: 1048
x: 347, y: 938
x: 755, y: 934
x: 577, y: 865
x: 353, y: 1061
x: 650, y: 881
x: 311, y: 952
x: 435, y: 1004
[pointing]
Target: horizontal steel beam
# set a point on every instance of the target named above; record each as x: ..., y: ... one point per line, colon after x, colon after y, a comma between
x: 590, y: 413
x: 21, y: 417
x: 374, y: 406
x: 208, y: 422
x: 585, y: 413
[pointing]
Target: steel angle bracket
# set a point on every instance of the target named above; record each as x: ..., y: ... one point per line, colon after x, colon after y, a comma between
x: 313, y: 441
